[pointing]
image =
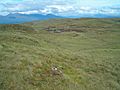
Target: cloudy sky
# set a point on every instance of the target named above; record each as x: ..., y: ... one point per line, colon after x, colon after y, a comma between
x: 60, y: 7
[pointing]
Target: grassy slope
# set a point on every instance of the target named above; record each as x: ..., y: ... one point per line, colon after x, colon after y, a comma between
x: 89, y: 59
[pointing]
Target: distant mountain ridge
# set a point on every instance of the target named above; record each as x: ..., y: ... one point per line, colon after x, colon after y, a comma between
x: 98, y: 15
x: 21, y: 18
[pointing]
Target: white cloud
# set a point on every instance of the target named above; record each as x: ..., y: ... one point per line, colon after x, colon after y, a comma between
x: 45, y: 11
x: 29, y: 12
x: 16, y: 7
x: 58, y: 7
x: 85, y: 8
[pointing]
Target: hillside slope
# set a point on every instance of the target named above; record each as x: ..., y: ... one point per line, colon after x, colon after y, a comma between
x: 86, y: 51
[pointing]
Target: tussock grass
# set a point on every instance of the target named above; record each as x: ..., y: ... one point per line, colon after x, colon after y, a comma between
x: 89, y: 60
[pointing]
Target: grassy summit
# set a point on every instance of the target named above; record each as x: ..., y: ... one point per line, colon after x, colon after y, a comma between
x: 86, y: 51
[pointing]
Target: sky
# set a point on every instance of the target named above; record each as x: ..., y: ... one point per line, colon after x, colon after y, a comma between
x: 60, y: 7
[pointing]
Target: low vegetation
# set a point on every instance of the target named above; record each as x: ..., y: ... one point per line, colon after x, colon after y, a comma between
x: 85, y: 52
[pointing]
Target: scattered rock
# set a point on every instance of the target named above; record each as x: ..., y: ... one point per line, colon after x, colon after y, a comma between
x: 57, y: 31
x: 56, y: 71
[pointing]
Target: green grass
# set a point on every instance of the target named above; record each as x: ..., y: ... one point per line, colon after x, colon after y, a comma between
x: 87, y: 51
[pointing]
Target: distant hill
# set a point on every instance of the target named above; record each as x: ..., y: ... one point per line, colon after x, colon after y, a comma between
x: 76, y: 24
x: 98, y: 15
x: 20, y: 18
